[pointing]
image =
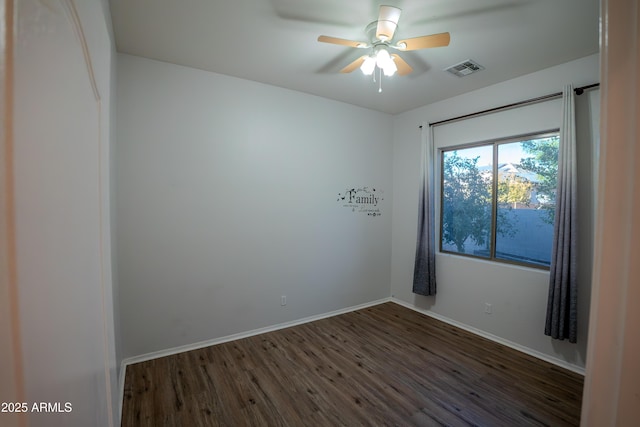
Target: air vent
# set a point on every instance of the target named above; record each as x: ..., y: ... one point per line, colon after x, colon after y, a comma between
x: 464, y: 68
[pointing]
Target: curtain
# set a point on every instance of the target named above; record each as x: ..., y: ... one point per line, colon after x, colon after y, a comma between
x: 424, y: 272
x: 562, y: 304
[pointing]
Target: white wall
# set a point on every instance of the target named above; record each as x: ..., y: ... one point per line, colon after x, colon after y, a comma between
x: 62, y: 226
x: 518, y: 295
x: 227, y: 198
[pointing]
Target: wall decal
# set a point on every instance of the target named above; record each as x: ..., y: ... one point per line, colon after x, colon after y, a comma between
x: 362, y: 200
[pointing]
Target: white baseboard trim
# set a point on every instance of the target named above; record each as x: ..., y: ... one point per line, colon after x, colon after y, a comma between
x: 207, y: 343
x: 539, y: 355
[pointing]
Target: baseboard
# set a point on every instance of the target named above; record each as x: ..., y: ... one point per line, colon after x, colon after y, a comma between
x: 539, y: 355
x: 207, y: 343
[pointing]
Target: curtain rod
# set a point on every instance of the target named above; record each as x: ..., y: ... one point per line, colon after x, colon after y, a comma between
x: 578, y: 91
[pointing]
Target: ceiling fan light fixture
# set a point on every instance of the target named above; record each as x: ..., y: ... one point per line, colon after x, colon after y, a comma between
x: 368, y: 66
x: 390, y: 69
x: 383, y: 58
x: 384, y: 61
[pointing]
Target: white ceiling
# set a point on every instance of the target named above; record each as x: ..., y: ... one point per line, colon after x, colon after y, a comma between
x: 275, y: 42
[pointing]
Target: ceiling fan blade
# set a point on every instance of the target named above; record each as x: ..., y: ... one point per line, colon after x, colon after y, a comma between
x: 342, y: 42
x: 403, y: 67
x: 424, y: 42
x: 387, y: 22
x: 354, y: 65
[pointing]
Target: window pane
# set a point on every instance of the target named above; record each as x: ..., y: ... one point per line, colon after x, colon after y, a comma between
x: 466, y: 200
x: 527, y: 176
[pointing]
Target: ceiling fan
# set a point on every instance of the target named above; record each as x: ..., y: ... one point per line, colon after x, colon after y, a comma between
x: 380, y: 34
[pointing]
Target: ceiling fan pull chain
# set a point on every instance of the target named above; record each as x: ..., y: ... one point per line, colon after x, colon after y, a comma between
x: 380, y: 78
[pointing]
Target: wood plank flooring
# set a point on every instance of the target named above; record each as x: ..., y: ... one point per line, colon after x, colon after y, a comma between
x: 384, y: 365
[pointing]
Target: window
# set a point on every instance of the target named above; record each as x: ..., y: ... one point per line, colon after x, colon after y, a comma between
x: 498, y: 199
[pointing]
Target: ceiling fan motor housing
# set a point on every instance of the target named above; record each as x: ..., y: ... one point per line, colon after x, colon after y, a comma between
x: 370, y: 31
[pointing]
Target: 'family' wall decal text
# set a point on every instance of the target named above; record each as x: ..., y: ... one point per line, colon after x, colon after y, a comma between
x: 362, y: 200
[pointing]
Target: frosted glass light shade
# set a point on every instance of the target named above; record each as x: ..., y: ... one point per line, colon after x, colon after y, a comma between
x: 390, y: 68
x: 383, y: 58
x: 368, y: 66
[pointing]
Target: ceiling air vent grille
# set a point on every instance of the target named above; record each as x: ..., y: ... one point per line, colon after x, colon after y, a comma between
x: 464, y: 68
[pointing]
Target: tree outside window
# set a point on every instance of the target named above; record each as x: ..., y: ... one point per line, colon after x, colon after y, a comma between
x: 498, y: 200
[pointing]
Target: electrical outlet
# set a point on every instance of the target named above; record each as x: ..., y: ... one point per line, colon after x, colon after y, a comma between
x: 488, y: 308
x: 283, y: 300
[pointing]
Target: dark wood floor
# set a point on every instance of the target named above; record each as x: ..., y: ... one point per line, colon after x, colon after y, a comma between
x: 384, y: 365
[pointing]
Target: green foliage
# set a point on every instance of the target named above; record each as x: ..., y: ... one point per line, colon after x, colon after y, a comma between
x: 466, y: 210
x: 545, y: 164
x: 513, y: 189
x: 467, y: 193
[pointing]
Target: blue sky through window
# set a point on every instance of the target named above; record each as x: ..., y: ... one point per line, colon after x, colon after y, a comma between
x: 508, y: 153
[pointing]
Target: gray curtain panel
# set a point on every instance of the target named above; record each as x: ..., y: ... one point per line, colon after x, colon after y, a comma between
x: 424, y: 272
x: 562, y: 310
